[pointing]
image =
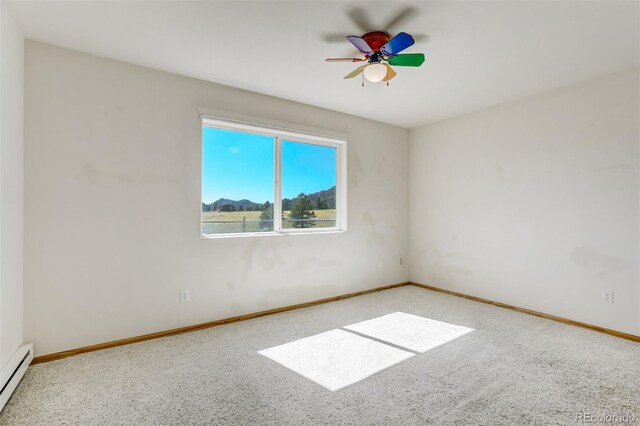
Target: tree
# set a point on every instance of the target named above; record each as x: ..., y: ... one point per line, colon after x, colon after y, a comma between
x: 266, y: 217
x: 301, y: 212
x: 321, y: 204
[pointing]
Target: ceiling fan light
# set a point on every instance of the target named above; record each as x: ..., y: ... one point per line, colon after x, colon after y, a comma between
x: 375, y: 72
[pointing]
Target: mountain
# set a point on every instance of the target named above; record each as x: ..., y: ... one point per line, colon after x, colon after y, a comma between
x: 244, y: 204
x: 327, y: 195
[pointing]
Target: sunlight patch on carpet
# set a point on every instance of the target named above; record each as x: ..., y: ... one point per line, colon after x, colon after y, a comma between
x: 410, y: 331
x: 336, y: 358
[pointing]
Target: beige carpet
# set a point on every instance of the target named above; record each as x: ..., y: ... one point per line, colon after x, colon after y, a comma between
x: 512, y: 369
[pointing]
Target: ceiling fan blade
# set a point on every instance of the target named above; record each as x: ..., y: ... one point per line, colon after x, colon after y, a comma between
x: 359, y: 17
x: 390, y: 73
x: 344, y: 60
x: 360, y: 44
x: 355, y: 72
x: 397, y: 44
x: 400, y: 18
x: 407, y: 60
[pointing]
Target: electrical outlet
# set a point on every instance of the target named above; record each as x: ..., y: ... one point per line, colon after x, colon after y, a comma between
x: 184, y: 296
x: 607, y: 296
x: 381, y: 266
x: 400, y: 261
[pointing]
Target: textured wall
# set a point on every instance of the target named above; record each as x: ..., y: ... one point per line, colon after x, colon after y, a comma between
x: 112, y: 206
x: 535, y: 203
x: 11, y: 168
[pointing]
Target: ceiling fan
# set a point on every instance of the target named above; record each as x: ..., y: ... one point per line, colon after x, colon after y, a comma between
x: 381, y: 51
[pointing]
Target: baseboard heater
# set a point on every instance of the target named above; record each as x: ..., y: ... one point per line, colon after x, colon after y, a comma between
x: 13, y: 372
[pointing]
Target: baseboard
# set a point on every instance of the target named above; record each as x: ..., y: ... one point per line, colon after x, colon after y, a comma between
x: 85, y: 349
x: 13, y: 372
x: 172, y: 332
x: 608, y: 331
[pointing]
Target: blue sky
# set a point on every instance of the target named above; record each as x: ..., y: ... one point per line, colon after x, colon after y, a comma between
x: 239, y: 165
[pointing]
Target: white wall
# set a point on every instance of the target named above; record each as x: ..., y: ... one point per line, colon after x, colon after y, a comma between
x: 11, y: 180
x: 112, y: 206
x: 11, y: 185
x: 535, y: 203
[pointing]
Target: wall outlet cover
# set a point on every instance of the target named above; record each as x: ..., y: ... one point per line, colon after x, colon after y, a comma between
x: 607, y: 296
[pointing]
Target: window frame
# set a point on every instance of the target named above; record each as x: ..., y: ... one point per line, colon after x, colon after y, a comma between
x: 279, y: 135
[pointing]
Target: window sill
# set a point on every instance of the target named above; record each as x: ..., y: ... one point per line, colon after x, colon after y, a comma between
x: 269, y: 234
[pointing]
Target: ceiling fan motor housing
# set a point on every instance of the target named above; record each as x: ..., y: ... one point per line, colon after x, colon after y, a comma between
x: 376, y: 39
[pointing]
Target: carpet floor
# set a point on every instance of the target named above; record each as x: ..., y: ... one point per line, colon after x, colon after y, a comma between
x: 512, y: 369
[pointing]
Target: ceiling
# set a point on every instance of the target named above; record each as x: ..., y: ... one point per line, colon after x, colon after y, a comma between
x: 479, y: 53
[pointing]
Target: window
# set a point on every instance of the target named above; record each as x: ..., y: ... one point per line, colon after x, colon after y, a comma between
x: 259, y: 180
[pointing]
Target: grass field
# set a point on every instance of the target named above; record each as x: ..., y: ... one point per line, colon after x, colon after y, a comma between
x: 232, y: 222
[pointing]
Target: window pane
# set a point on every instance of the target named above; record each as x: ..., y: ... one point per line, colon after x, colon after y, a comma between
x: 308, y: 185
x: 237, y: 182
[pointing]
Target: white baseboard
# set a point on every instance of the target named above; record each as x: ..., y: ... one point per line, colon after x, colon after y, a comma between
x: 13, y: 372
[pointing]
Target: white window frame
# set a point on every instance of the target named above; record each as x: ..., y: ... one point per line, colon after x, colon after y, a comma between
x: 279, y: 135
